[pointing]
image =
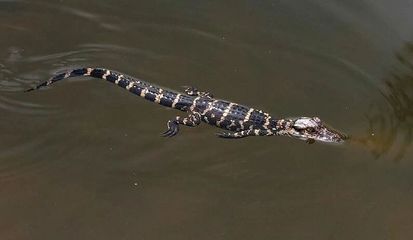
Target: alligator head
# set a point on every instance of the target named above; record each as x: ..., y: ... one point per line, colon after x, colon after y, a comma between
x: 311, y: 130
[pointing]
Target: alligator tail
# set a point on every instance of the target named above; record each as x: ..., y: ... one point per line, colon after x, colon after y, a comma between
x: 68, y: 74
x: 136, y: 86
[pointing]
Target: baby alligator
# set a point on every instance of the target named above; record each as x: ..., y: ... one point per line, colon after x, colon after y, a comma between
x: 240, y: 121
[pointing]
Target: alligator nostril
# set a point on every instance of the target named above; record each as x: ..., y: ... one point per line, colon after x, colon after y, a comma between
x: 345, y: 136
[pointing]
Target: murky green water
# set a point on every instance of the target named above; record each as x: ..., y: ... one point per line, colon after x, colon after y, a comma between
x: 85, y: 160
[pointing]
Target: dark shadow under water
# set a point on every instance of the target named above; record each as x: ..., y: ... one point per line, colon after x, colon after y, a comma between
x: 391, y: 125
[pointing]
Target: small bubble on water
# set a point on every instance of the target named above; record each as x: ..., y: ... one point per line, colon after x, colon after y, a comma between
x: 136, y: 184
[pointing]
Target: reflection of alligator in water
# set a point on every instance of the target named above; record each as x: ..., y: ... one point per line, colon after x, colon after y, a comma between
x: 241, y: 121
x: 391, y: 126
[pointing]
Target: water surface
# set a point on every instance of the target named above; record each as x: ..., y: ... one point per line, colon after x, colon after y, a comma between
x: 85, y: 160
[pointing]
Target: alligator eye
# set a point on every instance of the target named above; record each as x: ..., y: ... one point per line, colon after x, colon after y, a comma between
x: 299, y: 127
x: 310, y: 130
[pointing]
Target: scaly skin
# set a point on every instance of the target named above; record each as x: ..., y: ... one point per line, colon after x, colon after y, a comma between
x: 239, y: 120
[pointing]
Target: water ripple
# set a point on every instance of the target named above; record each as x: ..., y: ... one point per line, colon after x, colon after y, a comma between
x: 391, y: 126
x: 55, y: 56
x: 81, y: 13
x: 178, y: 28
x: 22, y: 107
x: 14, y: 80
x: 365, y: 77
x: 119, y: 48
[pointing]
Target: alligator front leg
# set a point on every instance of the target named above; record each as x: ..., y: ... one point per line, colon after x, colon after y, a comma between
x: 193, y: 119
x: 245, y: 133
x: 192, y: 91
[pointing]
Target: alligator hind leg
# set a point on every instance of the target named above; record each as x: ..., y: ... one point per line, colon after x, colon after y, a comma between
x: 193, y: 119
x: 245, y: 133
x: 192, y: 91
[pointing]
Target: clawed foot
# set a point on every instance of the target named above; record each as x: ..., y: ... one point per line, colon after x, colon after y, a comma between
x: 173, y: 129
x: 228, y: 135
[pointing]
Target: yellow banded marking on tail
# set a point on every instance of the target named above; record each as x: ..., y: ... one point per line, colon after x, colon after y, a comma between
x: 159, y: 96
x: 67, y: 74
x: 88, y: 71
x: 107, y: 73
x: 120, y: 77
x: 176, y: 100
x: 130, y: 85
x: 144, y: 92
